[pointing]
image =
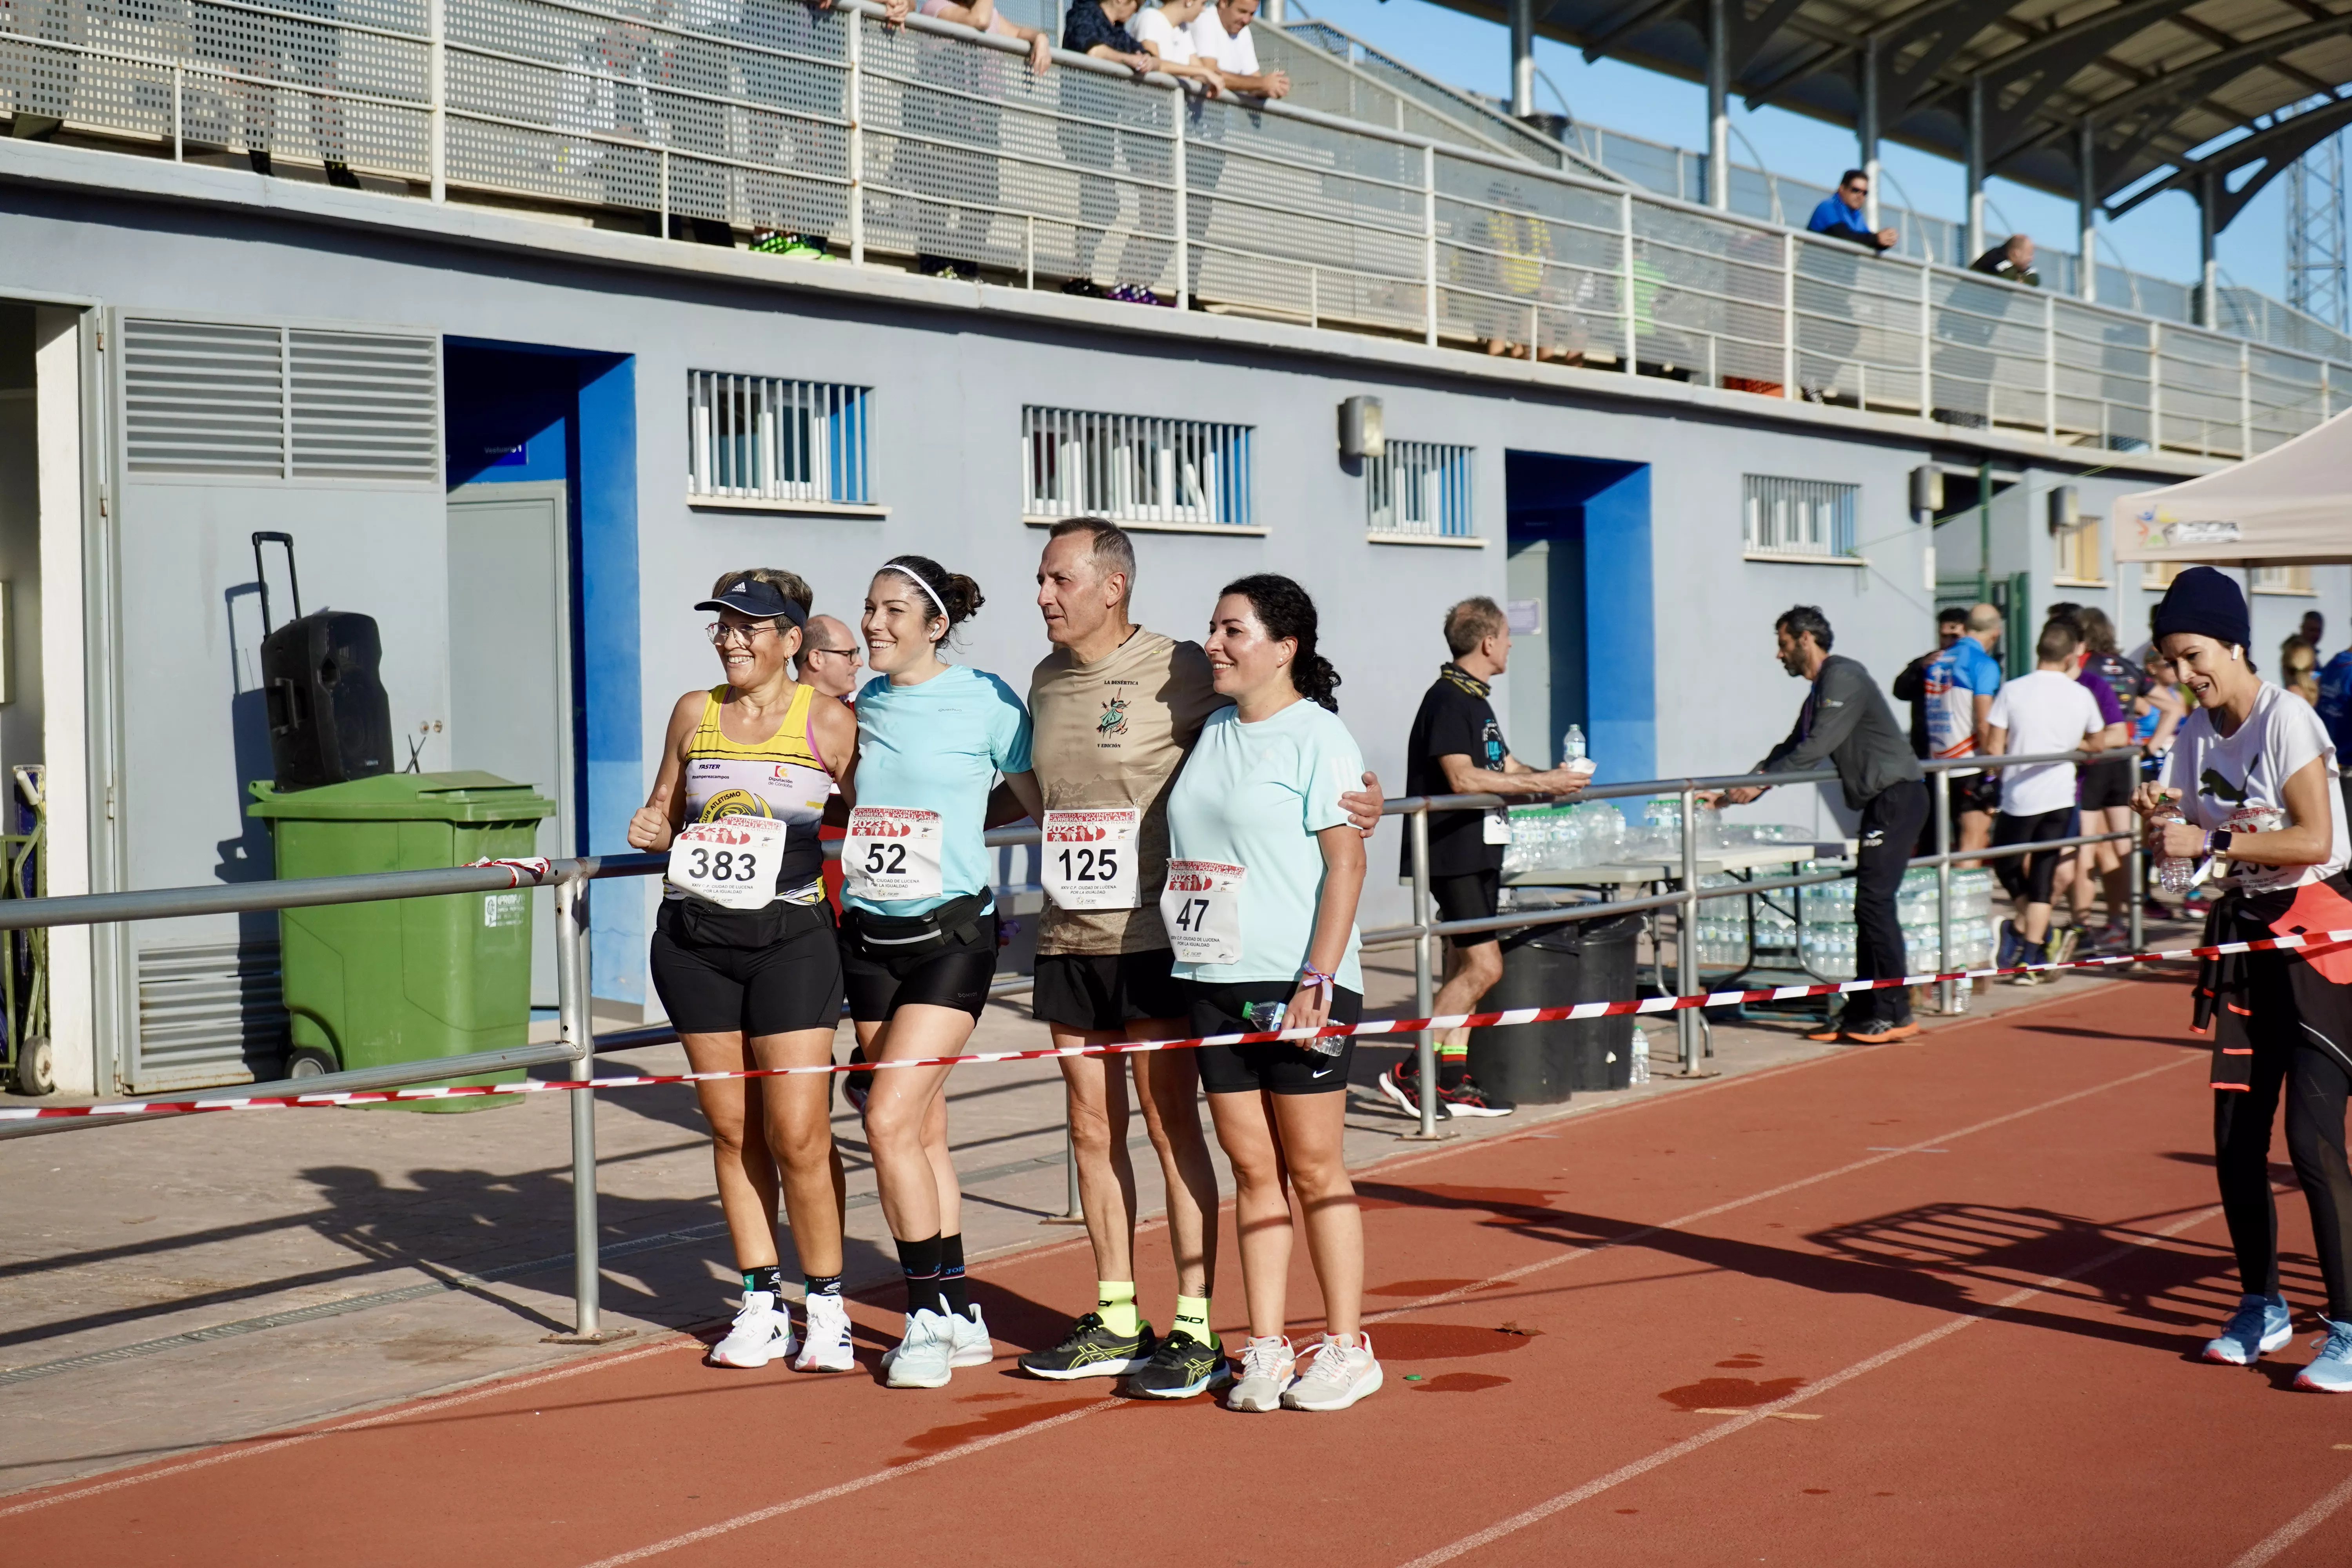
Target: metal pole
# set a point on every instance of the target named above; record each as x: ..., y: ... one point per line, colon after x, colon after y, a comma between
x: 578, y: 1028
x: 2136, y: 864
x: 1424, y: 990
x: 1180, y: 106
x: 665, y: 194
x: 1718, y: 105
x: 1429, y: 244
x: 1975, y: 177
x: 854, y: 93
x: 1685, y: 948
x: 2086, y: 210
x: 1867, y: 130
x: 1625, y: 258
x: 1952, y: 1000
x: 2209, y: 267
x: 438, y: 96
x: 1523, y: 57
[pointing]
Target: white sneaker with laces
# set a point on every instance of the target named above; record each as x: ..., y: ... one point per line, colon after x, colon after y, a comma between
x: 1342, y: 1374
x: 922, y: 1359
x: 973, y: 1345
x: 824, y: 1339
x: 1267, y: 1367
x: 763, y: 1331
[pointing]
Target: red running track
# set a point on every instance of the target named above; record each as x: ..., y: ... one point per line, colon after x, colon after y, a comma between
x: 1916, y: 1305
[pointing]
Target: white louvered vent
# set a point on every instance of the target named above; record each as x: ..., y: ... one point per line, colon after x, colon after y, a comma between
x: 204, y: 398
x: 199, y: 398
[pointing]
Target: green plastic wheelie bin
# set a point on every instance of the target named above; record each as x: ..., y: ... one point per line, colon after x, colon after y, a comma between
x: 405, y: 980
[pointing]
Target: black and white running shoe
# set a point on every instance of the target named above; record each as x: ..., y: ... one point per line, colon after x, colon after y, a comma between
x: 1091, y: 1349
x: 1182, y: 1367
x: 1400, y: 1087
x: 1466, y: 1098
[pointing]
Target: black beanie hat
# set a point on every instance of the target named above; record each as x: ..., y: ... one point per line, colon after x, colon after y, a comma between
x: 2203, y: 601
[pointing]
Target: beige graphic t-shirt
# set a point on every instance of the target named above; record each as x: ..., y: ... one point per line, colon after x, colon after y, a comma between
x: 1113, y: 733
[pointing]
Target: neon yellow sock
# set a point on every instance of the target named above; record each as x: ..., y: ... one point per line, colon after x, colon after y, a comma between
x: 1192, y: 1318
x: 1117, y: 1305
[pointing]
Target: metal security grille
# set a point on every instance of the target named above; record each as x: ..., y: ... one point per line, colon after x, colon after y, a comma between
x: 209, y: 1013
x: 753, y: 438
x: 1132, y: 469
x: 1419, y: 487
x: 1799, y: 517
x: 231, y: 399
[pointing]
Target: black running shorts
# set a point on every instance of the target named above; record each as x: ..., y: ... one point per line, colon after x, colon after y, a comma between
x: 1104, y: 993
x: 778, y: 988
x: 1475, y: 897
x: 955, y: 974
x: 1276, y: 1066
x: 1979, y: 791
x: 2104, y: 785
x: 2029, y: 878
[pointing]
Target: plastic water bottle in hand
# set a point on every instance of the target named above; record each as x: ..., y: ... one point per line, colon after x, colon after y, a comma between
x: 2175, y: 873
x: 1571, y: 745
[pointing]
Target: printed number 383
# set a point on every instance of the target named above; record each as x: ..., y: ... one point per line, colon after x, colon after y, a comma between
x: 724, y: 866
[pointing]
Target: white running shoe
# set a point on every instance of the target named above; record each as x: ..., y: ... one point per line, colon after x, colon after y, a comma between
x: 973, y: 1345
x: 824, y: 1338
x: 923, y: 1358
x: 763, y: 1331
x: 1341, y: 1374
x: 1267, y: 1367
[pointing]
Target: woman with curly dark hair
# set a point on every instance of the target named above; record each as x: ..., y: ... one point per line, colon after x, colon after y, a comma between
x: 1263, y: 873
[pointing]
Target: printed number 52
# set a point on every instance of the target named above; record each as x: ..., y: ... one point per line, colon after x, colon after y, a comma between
x: 885, y: 860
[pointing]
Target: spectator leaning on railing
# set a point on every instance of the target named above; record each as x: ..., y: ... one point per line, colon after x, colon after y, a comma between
x: 1221, y: 38
x: 1846, y: 722
x: 2011, y: 260
x: 1840, y: 215
x: 1456, y: 748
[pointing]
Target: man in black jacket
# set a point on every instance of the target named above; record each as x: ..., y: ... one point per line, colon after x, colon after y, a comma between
x: 1845, y: 721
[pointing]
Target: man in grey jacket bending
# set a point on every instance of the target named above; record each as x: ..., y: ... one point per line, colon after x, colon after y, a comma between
x: 1845, y: 720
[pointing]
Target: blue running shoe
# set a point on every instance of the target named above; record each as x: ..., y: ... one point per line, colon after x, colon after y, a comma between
x: 2012, y: 945
x: 2261, y: 1323
x: 2330, y: 1371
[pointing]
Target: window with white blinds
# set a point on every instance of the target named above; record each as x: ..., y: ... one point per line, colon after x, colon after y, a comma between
x: 761, y: 438
x: 241, y: 400
x: 1130, y: 468
x: 1418, y: 487
x: 1802, y: 518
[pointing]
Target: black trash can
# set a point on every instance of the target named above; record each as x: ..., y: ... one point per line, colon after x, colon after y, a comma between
x: 1552, y: 966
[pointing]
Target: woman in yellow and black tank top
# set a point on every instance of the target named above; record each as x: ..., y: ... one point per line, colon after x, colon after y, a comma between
x: 745, y: 958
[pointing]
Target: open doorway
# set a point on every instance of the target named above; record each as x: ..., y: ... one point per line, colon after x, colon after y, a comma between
x: 1578, y: 583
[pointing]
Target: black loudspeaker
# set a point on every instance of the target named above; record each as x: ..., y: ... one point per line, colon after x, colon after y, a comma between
x: 329, y: 718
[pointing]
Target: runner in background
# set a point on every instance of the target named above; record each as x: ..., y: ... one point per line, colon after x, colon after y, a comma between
x: 1116, y: 709
x: 1264, y: 874
x: 1910, y: 684
x: 2105, y: 788
x: 920, y: 926
x: 2334, y: 706
x: 2048, y: 710
x: 1961, y: 682
x: 828, y: 660
x: 2253, y: 773
x: 744, y: 957
x: 1456, y: 747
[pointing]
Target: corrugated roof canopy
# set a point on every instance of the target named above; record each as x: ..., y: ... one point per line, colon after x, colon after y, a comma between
x: 2155, y: 78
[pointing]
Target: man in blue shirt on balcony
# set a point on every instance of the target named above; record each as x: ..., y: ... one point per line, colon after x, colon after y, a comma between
x: 1840, y: 215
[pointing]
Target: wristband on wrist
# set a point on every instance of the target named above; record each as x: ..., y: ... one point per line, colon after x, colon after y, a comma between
x: 1310, y: 977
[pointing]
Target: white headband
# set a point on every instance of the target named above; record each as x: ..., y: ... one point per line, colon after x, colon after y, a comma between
x: 926, y: 587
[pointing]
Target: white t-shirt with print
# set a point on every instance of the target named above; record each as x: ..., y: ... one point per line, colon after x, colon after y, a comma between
x: 2045, y: 711
x: 2217, y: 773
x: 1169, y: 42
x: 1233, y: 53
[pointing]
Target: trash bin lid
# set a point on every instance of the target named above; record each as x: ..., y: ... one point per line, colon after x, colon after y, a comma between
x: 405, y: 798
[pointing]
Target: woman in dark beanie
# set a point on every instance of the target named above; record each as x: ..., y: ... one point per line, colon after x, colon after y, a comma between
x: 2250, y: 787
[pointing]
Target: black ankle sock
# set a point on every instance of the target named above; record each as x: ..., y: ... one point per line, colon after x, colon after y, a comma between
x: 822, y: 1284
x: 919, y: 1261
x: 1452, y: 1070
x: 770, y: 1278
x: 953, y: 1290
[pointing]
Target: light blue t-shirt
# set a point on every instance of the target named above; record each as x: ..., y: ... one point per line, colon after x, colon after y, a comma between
x: 1255, y: 796
x: 938, y: 746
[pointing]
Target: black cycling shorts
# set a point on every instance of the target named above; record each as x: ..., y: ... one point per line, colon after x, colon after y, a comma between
x: 955, y: 973
x: 1475, y: 896
x: 2029, y: 878
x: 2104, y: 785
x: 779, y: 987
x: 1103, y: 992
x: 1979, y: 791
x: 1276, y: 1066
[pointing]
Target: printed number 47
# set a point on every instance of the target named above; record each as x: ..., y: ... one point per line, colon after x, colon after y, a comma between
x: 1190, y: 913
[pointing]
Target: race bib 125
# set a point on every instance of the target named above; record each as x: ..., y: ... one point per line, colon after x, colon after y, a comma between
x: 1090, y: 858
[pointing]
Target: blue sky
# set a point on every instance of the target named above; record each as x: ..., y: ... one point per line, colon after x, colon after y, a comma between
x: 2159, y: 239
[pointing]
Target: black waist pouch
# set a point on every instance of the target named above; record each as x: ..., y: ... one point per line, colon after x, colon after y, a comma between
x: 916, y: 936
x: 698, y: 922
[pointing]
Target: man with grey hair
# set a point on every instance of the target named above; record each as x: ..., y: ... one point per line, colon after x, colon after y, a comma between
x: 1114, y: 710
x: 1456, y: 748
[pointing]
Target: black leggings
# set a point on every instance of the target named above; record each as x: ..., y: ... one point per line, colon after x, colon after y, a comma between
x: 2317, y: 1088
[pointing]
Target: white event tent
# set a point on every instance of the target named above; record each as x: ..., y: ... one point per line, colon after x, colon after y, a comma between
x: 2291, y: 505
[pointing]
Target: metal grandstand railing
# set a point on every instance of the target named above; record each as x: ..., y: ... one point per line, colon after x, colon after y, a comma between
x: 927, y: 145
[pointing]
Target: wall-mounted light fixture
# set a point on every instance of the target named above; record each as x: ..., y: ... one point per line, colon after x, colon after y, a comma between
x: 1359, y: 428
x: 1926, y: 492
x: 2064, y: 514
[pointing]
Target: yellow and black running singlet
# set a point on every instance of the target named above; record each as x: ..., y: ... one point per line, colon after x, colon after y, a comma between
x: 782, y: 778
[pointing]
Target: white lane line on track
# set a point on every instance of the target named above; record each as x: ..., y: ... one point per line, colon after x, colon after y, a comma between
x: 382, y: 1419
x: 809, y: 1499
x: 2296, y: 1528
x: 1762, y: 1413
x: 1632, y: 1237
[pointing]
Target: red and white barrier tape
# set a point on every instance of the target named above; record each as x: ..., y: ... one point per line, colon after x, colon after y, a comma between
x: 2315, y: 941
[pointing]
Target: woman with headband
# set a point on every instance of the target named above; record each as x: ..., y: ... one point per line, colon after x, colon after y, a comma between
x: 744, y: 955
x: 1263, y: 872
x: 920, y: 925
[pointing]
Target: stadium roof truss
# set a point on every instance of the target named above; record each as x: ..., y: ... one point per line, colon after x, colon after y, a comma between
x: 2214, y: 97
